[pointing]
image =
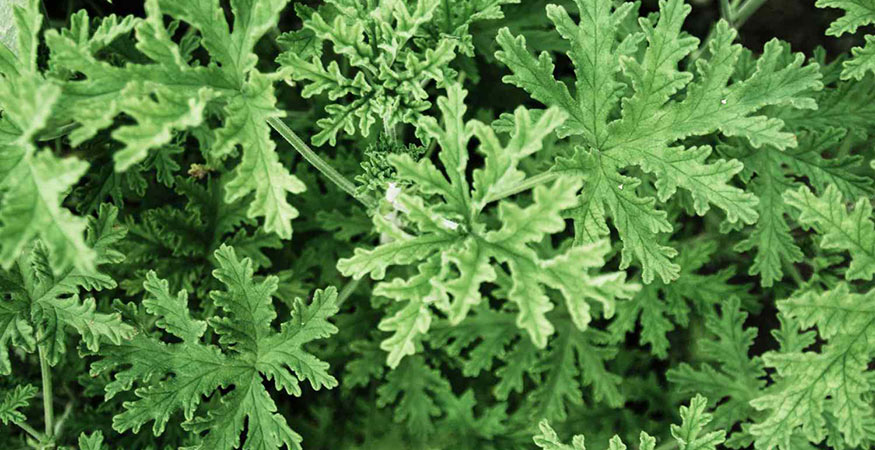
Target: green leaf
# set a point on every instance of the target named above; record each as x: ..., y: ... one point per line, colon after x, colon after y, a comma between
x: 43, y: 303
x: 653, y: 119
x: 387, y: 63
x: 20, y: 28
x: 178, y: 244
x: 8, y: 27
x: 728, y: 375
x: 553, y: 379
x: 34, y: 187
x: 548, y: 440
x: 15, y: 399
x: 846, y: 104
x: 461, y: 252
x: 34, y: 182
x: 173, y: 311
x: 858, y: 13
x: 260, y: 169
x: 659, y: 307
x: 176, y: 376
x: 156, y: 119
x: 688, y: 435
x: 416, y: 388
x: 93, y: 441
x: 830, y: 379
x: 852, y: 231
x: 170, y: 94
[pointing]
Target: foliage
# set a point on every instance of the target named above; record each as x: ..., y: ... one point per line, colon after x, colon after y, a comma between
x: 40, y: 304
x: 814, y: 387
x: 688, y: 434
x: 172, y: 91
x: 390, y: 52
x: 457, y: 253
x: 651, y: 121
x: 176, y: 376
x: 857, y: 14
x: 520, y: 221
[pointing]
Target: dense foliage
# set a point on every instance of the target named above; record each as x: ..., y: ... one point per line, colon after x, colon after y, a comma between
x: 509, y: 224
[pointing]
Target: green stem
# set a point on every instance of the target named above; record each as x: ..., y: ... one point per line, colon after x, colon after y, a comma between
x: 44, y: 10
x: 96, y: 7
x: 301, y: 147
x: 347, y: 291
x: 527, y: 184
x: 740, y: 16
x: 30, y: 430
x: 746, y: 10
x: 59, y: 426
x: 794, y: 273
x: 48, y: 399
x: 726, y: 12
x: 63, y: 130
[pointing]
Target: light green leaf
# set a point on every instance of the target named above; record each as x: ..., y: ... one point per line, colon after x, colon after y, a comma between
x: 852, y: 231
x: 858, y: 13
x: 653, y: 119
x: 392, y: 53
x: 688, y: 435
x: 834, y: 379
x: 452, y: 231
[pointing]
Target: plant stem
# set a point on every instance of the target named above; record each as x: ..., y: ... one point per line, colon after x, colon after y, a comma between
x: 794, y: 273
x: 527, y: 184
x: 347, y: 291
x: 746, y: 10
x: 742, y: 13
x: 301, y: 147
x: 44, y: 10
x: 668, y: 445
x: 726, y: 12
x: 30, y: 430
x: 59, y: 425
x: 48, y: 399
x: 96, y: 7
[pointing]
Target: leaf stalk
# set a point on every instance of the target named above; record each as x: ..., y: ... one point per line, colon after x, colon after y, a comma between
x: 30, y: 430
x: 746, y: 10
x: 48, y: 398
x: 320, y: 164
x: 527, y: 184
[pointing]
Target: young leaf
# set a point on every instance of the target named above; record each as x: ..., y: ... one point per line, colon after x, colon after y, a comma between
x: 458, y: 251
x: 387, y: 68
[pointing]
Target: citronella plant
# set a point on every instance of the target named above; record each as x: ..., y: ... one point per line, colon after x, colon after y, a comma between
x: 565, y: 225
